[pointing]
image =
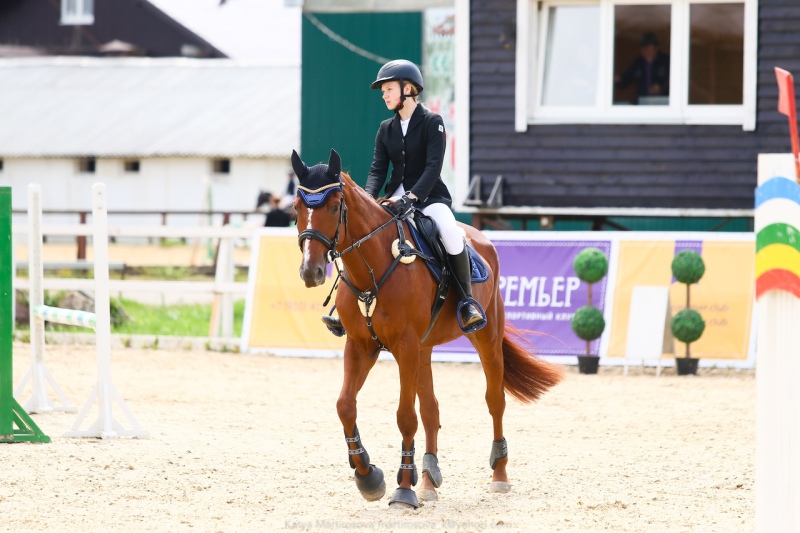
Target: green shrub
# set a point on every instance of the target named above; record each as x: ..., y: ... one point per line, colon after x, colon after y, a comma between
x: 688, y: 267
x: 687, y: 325
x: 588, y: 323
x: 590, y: 265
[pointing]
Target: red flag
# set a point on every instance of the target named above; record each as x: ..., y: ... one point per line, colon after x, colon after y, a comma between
x: 787, y: 106
x: 786, y: 88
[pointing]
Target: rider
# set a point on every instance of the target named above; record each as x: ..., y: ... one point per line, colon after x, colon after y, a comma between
x: 413, y: 141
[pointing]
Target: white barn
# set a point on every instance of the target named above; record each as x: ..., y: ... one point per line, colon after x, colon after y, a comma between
x: 163, y: 134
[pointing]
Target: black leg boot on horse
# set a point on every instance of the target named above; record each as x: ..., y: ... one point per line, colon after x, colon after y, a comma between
x: 471, y: 317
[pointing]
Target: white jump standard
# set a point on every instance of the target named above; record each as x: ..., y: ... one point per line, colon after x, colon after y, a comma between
x: 104, y: 394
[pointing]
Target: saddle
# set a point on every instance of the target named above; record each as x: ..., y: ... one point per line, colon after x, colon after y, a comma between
x: 425, y: 236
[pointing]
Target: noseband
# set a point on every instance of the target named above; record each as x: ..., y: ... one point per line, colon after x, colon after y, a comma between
x: 317, y: 198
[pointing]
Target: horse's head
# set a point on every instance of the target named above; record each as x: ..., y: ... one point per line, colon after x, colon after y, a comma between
x: 320, y: 213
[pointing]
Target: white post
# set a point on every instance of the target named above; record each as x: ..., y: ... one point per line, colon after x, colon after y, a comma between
x: 105, y: 427
x: 102, y: 307
x: 777, y: 221
x: 38, y: 374
x: 228, y: 276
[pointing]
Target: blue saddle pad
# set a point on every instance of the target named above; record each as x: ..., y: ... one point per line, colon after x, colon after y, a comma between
x: 479, y: 271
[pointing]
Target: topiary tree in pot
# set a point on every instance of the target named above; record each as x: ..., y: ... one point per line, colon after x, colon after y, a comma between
x: 687, y: 325
x: 590, y: 265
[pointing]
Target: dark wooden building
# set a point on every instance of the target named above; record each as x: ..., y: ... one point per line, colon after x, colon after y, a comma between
x: 548, y: 113
x: 98, y: 27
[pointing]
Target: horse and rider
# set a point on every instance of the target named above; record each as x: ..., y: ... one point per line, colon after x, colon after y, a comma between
x: 389, y: 298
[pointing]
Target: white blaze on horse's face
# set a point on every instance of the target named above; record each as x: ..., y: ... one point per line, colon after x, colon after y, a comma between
x: 307, y: 242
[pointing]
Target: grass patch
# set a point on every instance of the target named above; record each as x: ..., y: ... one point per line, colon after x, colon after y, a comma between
x: 173, y: 320
x: 163, y: 320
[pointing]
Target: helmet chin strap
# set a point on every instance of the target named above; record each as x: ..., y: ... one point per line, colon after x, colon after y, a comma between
x: 403, y: 97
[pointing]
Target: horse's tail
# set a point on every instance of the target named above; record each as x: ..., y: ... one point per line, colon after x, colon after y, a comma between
x: 526, y: 376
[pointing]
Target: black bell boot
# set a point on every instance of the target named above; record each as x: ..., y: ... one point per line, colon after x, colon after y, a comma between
x: 334, y: 325
x: 470, y: 314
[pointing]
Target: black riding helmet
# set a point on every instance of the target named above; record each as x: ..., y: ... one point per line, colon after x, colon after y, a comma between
x: 399, y: 70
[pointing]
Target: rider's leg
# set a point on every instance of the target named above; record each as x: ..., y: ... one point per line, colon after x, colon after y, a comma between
x: 472, y: 318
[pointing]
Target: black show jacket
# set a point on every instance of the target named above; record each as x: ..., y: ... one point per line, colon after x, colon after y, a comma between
x: 416, y: 158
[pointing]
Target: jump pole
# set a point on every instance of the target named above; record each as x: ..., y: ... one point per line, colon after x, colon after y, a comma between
x: 15, y: 424
x: 38, y: 374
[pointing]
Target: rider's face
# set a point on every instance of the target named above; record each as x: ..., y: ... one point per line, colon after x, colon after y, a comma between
x: 391, y: 94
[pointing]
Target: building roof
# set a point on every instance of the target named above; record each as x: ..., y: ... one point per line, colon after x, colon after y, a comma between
x: 147, y: 107
x: 268, y: 31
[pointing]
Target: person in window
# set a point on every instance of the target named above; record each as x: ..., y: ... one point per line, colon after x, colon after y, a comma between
x: 649, y: 71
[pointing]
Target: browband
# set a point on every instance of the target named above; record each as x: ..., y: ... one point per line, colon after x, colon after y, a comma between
x: 317, y: 197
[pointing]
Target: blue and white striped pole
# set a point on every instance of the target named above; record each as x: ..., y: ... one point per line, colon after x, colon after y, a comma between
x: 71, y: 317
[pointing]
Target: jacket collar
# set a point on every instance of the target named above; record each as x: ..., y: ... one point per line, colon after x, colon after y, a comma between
x: 416, y: 120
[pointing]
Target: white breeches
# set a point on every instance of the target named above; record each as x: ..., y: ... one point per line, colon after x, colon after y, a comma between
x: 450, y: 233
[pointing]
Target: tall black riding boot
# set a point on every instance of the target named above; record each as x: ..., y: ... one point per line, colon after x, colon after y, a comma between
x: 472, y: 317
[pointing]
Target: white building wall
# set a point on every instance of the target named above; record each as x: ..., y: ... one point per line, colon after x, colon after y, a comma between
x: 161, y: 184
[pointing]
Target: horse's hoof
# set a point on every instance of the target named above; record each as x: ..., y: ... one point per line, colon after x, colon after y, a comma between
x: 427, y: 495
x: 371, y: 486
x: 499, y: 486
x: 404, y: 499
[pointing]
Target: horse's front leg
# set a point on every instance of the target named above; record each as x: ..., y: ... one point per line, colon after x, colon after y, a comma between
x: 357, y: 364
x: 407, y: 356
x: 429, y: 411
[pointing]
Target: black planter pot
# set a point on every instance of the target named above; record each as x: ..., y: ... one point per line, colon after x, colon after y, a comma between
x: 686, y: 366
x: 587, y: 364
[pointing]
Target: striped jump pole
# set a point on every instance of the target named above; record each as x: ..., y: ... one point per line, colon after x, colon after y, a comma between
x: 777, y: 226
x: 15, y: 424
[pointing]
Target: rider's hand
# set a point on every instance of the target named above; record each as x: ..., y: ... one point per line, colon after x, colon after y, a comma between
x: 403, y: 205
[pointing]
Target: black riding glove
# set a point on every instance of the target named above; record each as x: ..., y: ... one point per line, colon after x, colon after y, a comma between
x: 403, y: 205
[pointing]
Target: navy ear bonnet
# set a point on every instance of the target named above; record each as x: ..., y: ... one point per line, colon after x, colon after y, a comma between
x: 319, y: 181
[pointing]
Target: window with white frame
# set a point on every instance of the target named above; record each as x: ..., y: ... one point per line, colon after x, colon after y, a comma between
x: 77, y: 12
x: 638, y: 61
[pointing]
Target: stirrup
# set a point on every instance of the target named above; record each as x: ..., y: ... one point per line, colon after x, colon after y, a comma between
x: 477, y: 325
x: 334, y: 325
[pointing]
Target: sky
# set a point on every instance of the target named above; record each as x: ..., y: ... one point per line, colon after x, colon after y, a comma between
x: 263, y: 31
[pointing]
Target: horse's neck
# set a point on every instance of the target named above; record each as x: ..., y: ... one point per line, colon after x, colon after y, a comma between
x: 364, y: 216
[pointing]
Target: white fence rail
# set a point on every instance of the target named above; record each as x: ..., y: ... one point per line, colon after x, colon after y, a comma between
x: 223, y: 289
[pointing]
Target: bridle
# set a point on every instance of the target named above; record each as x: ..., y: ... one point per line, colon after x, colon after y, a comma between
x: 317, y: 198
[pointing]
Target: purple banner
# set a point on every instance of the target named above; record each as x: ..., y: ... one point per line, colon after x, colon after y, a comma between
x: 541, y: 294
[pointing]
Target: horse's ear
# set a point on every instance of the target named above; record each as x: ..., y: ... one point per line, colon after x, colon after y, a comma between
x: 334, y: 163
x: 298, y: 166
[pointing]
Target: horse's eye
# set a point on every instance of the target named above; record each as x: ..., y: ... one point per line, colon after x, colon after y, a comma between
x: 335, y: 209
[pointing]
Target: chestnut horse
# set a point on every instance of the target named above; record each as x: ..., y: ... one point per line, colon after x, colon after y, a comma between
x: 337, y: 218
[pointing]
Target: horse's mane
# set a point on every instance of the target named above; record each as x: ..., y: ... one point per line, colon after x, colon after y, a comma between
x: 359, y: 190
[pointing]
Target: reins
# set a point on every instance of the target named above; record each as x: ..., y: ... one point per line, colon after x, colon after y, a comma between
x: 366, y: 297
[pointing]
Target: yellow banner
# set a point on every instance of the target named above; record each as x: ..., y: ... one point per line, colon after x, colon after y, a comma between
x: 283, y: 312
x: 724, y: 296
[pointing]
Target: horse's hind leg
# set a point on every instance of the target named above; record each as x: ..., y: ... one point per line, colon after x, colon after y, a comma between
x: 369, y: 478
x: 429, y: 411
x: 489, y: 344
